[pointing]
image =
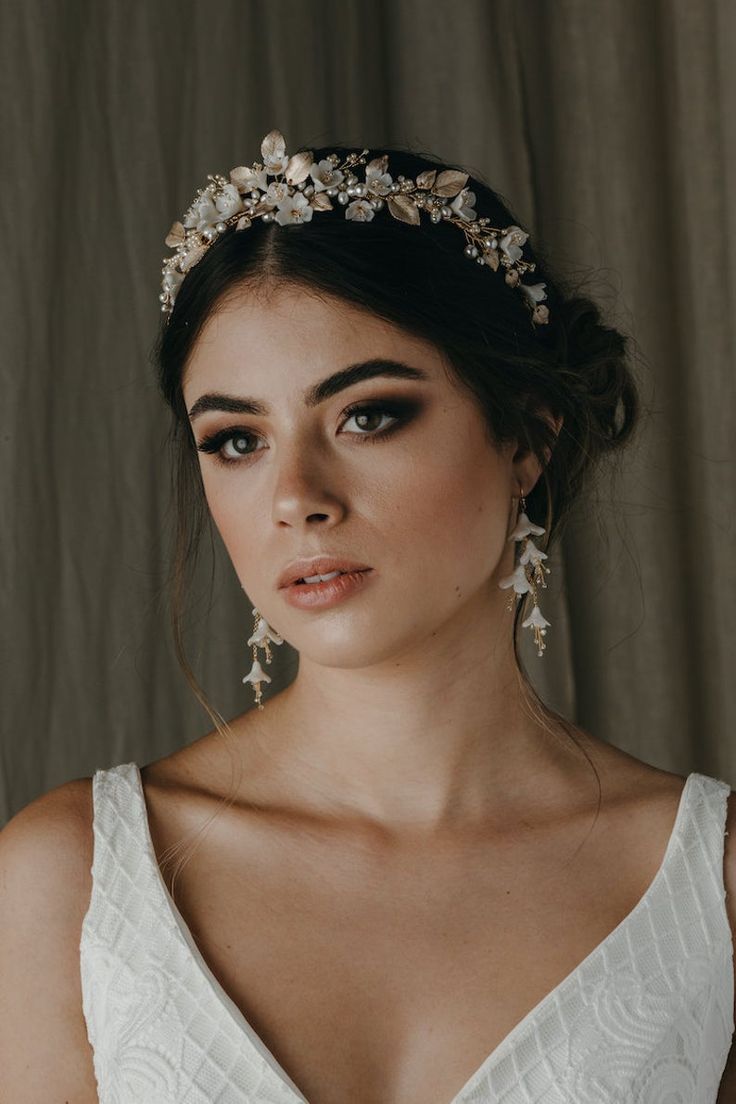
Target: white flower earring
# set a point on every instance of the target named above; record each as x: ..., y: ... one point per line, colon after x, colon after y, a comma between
x: 523, y: 583
x: 263, y: 636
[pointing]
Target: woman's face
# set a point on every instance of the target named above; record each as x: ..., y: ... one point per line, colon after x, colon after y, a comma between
x: 411, y: 488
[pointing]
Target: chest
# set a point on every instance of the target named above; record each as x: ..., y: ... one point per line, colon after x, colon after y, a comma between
x: 391, y: 975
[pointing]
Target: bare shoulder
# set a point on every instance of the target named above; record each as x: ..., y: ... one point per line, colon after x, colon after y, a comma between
x: 48, y: 846
x: 71, y: 801
x: 45, y: 883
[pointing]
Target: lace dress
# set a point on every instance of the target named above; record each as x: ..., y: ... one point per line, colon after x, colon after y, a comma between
x: 645, y: 1018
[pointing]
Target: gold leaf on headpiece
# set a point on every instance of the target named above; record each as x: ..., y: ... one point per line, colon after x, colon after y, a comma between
x: 273, y: 146
x: 450, y: 182
x: 244, y: 178
x: 298, y: 166
x: 377, y: 166
x: 175, y: 235
x: 320, y: 201
x: 403, y: 208
x: 491, y: 259
x: 426, y: 178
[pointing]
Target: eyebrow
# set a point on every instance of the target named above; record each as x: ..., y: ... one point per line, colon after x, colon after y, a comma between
x: 317, y: 393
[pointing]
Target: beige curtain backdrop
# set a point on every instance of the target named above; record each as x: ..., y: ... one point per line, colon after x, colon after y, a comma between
x: 610, y: 127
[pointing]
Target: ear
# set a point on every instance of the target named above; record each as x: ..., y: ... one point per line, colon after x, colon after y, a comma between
x: 526, y: 467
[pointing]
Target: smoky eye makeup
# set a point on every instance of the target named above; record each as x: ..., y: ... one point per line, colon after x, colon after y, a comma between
x: 399, y: 411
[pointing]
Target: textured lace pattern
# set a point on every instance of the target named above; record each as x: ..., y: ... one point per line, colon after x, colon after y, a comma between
x: 646, y: 1018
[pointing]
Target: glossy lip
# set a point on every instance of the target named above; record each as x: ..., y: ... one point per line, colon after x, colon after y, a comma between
x: 324, y: 595
x: 318, y: 565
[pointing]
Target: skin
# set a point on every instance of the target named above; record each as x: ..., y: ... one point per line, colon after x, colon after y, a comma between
x: 406, y: 709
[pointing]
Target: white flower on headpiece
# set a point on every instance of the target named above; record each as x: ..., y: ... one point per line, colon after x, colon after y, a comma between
x: 273, y: 152
x: 377, y: 180
x: 295, y: 208
x: 511, y: 241
x: 228, y: 201
x: 325, y: 175
x: 276, y: 192
x: 534, y: 292
x: 462, y: 205
x: 202, y: 214
x: 248, y: 179
x: 360, y: 210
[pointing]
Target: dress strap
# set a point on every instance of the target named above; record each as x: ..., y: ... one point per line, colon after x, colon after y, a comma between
x: 703, y: 829
x: 118, y: 839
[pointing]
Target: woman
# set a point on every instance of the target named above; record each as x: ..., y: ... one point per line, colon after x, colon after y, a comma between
x: 409, y: 880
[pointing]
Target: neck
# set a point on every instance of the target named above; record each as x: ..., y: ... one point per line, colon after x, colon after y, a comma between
x: 438, y: 734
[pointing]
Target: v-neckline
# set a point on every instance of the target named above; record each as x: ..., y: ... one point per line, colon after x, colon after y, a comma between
x: 250, y: 1034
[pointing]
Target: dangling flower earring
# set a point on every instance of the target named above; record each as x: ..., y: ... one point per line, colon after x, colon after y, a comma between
x: 263, y: 636
x: 521, y: 582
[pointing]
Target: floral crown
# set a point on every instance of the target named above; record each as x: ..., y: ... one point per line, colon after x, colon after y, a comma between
x: 302, y: 186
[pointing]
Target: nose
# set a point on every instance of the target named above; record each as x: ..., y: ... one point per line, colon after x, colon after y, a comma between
x: 306, y: 488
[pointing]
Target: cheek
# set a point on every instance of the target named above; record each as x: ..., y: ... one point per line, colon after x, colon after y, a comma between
x: 453, y: 508
x: 227, y: 507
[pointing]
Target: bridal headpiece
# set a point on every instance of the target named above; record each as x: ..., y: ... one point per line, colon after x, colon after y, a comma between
x: 299, y: 186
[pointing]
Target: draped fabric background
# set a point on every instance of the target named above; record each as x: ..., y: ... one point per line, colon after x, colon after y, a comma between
x: 610, y: 127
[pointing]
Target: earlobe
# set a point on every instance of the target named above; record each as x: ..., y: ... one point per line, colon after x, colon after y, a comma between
x: 525, y: 474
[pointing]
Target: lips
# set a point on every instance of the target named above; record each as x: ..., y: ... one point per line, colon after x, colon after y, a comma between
x: 322, y: 596
x: 318, y: 565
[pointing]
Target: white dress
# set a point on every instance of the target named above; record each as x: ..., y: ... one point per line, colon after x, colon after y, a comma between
x: 645, y: 1018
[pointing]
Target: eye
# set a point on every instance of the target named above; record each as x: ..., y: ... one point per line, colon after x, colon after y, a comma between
x: 400, y: 412
x: 374, y: 412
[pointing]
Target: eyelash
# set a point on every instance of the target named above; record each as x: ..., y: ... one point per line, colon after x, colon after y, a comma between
x: 401, y: 411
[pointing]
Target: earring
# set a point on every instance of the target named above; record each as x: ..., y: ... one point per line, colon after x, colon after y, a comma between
x: 263, y: 636
x: 521, y: 582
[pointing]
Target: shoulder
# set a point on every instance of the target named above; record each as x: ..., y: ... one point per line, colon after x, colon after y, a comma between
x: 45, y: 858
x: 45, y: 884
x: 53, y: 829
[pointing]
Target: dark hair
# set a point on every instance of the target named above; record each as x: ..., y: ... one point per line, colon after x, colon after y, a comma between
x: 419, y: 278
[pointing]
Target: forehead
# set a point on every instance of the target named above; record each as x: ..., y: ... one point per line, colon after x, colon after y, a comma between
x: 291, y: 331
